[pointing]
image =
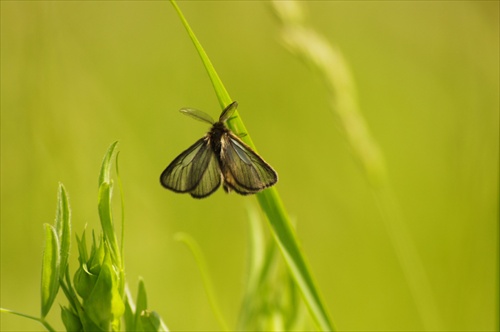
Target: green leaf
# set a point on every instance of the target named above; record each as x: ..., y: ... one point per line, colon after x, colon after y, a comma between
x: 270, y: 203
x: 129, y: 315
x: 151, y: 321
x: 105, y: 173
x: 88, y: 324
x: 50, y: 269
x: 83, y: 256
x: 122, y: 204
x: 104, y: 207
x: 87, y: 273
x: 84, y: 281
x: 71, y: 320
x: 142, y: 304
x: 97, y: 256
x: 63, y: 227
x: 104, y: 306
x: 106, y: 217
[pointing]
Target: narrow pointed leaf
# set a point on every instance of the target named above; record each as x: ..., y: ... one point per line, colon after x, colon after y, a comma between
x: 106, y: 217
x: 105, y: 174
x: 50, y: 269
x: 63, y: 227
x: 104, y: 207
x: 83, y: 256
x: 142, y: 304
x: 70, y: 320
x: 151, y: 321
x: 129, y: 314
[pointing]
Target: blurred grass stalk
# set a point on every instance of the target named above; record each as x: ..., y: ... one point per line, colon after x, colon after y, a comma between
x: 328, y: 62
x: 195, y: 249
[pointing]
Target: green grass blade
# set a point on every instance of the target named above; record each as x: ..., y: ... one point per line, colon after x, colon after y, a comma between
x: 270, y: 203
x: 50, y: 269
x: 63, y: 227
x: 221, y: 92
x: 222, y: 95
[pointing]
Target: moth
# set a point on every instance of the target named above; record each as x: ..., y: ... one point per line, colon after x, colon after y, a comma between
x: 218, y: 157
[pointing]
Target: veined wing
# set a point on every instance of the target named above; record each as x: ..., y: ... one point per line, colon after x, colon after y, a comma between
x: 210, y: 181
x: 197, y: 114
x: 231, y: 184
x: 243, y: 169
x: 185, y: 173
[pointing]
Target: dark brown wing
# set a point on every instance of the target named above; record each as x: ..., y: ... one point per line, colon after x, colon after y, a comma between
x: 187, y: 172
x: 210, y: 181
x: 243, y: 170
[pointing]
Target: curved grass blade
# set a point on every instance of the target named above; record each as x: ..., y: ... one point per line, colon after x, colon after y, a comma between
x: 50, y: 269
x: 270, y: 202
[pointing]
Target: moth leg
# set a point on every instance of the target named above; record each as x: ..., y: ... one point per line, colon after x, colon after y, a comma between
x: 226, y: 188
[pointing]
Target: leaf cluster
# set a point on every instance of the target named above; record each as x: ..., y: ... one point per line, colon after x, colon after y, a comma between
x: 97, y: 296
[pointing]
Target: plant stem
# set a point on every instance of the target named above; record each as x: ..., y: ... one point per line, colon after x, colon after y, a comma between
x: 40, y: 320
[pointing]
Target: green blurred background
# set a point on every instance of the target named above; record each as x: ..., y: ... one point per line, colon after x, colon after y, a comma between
x: 76, y: 76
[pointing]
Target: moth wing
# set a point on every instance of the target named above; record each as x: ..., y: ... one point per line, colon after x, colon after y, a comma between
x: 243, y: 169
x: 228, y: 111
x: 210, y: 180
x: 197, y: 115
x: 185, y: 173
x: 231, y: 184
